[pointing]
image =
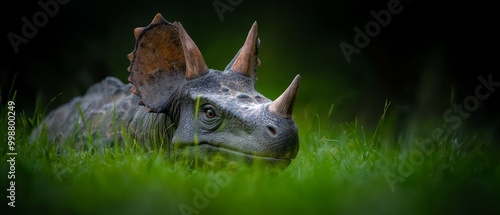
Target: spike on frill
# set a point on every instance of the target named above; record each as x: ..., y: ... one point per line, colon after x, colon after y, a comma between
x: 158, y: 18
x: 130, y: 56
x: 138, y: 31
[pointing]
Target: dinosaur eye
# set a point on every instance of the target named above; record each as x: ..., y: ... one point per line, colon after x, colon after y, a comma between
x: 210, y: 118
x: 209, y: 113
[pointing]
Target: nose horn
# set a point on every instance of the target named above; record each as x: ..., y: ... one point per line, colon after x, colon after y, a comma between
x: 283, y: 105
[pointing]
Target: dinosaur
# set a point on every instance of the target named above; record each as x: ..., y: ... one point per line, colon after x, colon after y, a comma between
x: 175, y: 100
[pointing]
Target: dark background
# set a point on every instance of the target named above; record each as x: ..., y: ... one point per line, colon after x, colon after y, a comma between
x: 426, y: 59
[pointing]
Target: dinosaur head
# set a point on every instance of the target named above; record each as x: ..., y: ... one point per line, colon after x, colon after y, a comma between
x: 218, y: 115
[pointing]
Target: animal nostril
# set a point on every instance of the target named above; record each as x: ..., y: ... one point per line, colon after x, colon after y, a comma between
x: 272, y: 130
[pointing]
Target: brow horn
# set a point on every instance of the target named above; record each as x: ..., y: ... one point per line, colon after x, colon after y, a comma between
x: 246, y: 61
x: 283, y: 105
x: 195, y: 64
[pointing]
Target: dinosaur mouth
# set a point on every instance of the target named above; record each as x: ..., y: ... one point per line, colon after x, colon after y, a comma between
x: 210, y: 152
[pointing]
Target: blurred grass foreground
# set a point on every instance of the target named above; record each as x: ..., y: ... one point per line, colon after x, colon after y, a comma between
x: 341, y: 169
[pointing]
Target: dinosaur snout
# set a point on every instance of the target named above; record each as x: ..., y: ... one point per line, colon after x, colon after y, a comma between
x: 284, y: 133
x: 282, y: 141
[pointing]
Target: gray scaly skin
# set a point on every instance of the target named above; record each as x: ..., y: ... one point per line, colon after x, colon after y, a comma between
x: 193, y: 111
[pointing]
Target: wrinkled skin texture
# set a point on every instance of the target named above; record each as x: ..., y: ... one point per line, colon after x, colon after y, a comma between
x: 192, y: 111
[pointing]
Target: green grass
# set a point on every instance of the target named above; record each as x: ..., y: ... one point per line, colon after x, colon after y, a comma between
x: 342, y: 168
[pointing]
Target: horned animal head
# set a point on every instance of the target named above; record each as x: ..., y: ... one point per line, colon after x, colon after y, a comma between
x: 217, y: 114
